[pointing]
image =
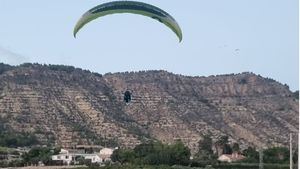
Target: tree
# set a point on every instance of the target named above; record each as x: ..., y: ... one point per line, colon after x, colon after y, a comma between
x: 16, y: 163
x: 236, y: 148
x: 227, y: 149
x: 80, y: 160
x: 276, y: 155
x: 205, y: 151
x: 296, y: 94
x: 123, y: 156
x: 251, y: 155
x: 154, y: 153
x: 179, y: 154
x: 37, y: 154
x: 221, y: 145
x: 144, y: 149
x: 11, y: 139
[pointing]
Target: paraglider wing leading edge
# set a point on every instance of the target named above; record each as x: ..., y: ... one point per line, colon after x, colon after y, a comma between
x: 129, y: 7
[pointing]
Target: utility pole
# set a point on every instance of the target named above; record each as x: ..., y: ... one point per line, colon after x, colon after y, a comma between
x: 261, y: 163
x: 291, y: 151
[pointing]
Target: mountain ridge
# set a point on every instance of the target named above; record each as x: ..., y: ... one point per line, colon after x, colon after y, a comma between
x: 68, y: 106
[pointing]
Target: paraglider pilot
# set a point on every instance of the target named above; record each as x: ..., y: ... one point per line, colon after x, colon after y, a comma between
x: 127, y: 96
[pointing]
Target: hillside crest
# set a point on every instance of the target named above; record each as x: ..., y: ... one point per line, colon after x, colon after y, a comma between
x: 68, y: 106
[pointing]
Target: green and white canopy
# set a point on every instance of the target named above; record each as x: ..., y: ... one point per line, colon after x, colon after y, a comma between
x: 129, y: 7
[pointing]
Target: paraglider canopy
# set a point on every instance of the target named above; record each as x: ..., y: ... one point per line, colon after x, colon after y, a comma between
x: 127, y: 96
x: 129, y: 7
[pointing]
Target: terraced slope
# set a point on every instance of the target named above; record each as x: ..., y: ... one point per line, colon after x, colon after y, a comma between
x: 67, y: 106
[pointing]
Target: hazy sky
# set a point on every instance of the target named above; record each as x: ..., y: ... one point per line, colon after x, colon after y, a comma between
x: 219, y: 37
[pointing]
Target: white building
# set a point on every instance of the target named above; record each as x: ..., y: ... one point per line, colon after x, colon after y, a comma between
x: 231, y: 157
x: 67, y: 157
x: 95, y: 158
x: 106, y: 153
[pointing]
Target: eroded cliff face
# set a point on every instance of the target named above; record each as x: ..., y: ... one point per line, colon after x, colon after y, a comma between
x: 72, y: 106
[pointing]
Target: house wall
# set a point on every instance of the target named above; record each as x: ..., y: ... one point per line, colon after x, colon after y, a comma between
x: 62, y: 157
x: 224, y: 158
x: 68, y: 158
x: 94, y: 158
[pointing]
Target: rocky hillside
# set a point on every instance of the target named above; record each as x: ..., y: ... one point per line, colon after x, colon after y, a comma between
x: 67, y: 106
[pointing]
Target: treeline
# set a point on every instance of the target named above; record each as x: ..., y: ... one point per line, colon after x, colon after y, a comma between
x: 9, y: 139
x: 33, y: 157
x: 5, y: 67
x: 296, y: 94
x: 154, y: 153
x: 64, y: 68
x: 206, y: 155
x: 157, y: 153
x: 224, y: 166
x: 209, y: 151
x: 39, y: 154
